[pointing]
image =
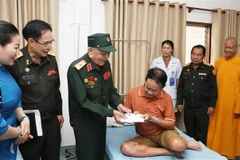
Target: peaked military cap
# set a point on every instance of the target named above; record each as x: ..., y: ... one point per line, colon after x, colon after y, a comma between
x: 101, y: 41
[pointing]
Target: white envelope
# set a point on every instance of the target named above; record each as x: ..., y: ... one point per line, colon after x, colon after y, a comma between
x: 133, y: 118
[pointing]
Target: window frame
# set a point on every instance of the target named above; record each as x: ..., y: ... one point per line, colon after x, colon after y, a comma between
x: 208, y: 27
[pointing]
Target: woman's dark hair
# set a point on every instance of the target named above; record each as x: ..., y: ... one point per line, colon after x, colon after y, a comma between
x: 158, y: 75
x: 7, y: 31
x: 34, y: 29
x: 168, y: 42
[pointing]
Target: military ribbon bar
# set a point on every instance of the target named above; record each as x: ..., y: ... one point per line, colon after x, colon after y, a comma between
x: 52, y: 72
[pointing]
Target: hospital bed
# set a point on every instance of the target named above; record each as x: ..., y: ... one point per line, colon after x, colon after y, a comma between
x: 117, y: 134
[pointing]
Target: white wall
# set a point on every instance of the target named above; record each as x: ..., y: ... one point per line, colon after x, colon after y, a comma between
x: 206, y: 16
x: 80, y: 18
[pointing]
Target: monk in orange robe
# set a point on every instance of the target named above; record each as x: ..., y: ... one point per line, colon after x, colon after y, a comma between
x: 224, y: 125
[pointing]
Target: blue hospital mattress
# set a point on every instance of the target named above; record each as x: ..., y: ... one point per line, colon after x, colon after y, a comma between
x: 117, y: 135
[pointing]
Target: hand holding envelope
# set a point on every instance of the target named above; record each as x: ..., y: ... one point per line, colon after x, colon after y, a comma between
x: 133, y: 118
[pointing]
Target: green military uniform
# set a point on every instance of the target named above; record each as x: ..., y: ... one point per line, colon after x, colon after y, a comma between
x: 90, y: 92
x: 199, y: 90
x: 40, y: 90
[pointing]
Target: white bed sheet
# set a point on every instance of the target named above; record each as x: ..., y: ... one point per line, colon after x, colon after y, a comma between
x: 117, y: 135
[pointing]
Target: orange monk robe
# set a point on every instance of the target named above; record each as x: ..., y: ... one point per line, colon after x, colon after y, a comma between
x: 224, y: 129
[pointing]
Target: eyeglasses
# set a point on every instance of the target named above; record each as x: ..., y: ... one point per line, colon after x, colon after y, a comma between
x: 46, y: 44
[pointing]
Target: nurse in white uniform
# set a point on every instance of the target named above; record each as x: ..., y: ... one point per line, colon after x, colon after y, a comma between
x: 172, y: 66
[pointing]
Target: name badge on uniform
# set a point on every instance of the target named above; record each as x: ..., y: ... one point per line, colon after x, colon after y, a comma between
x: 202, y: 74
x: 172, y: 79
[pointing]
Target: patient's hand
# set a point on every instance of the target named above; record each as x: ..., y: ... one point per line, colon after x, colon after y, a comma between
x: 147, y: 117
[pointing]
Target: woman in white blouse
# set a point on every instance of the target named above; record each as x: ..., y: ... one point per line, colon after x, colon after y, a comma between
x: 172, y: 66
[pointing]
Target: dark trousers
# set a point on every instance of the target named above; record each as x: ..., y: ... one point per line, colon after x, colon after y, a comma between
x: 196, y: 122
x: 90, y: 143
x: 47, y: 146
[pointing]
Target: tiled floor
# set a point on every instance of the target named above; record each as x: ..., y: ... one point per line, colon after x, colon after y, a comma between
x: 70, y: 154
x: 66, y: 153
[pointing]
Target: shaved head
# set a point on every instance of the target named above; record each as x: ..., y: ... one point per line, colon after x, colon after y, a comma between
x: 230, y: 47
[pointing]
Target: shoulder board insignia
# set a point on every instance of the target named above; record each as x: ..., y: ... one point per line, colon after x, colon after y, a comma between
x: 19, y: 54
x: 80, y: 64
x: 51, y: 53
x: 206, y: 63
x: 186, y: 64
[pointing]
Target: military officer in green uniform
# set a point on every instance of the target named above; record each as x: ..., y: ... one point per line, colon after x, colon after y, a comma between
x: 91, y: 90
x: 197, y: 89
x: 36, y: 72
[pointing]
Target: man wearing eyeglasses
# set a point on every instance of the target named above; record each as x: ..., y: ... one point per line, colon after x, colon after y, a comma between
x: 36, y: 72
x: 91, y: 90
x: 157, y: 135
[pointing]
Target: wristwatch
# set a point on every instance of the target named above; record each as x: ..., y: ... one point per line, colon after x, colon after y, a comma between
x: 22, y: 118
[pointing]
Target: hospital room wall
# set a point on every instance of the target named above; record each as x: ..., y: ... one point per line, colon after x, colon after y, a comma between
x: 80, y: 18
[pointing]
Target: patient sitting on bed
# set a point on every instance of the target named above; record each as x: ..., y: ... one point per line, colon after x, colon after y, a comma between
x: 157, y: 134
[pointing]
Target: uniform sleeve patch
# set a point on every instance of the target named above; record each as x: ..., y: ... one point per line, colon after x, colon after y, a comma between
x: 80, y: 64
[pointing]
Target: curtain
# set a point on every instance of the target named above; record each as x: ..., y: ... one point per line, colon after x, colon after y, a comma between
x: 225, y: 23
x: 8, y: 11
x: 138, y: 29
x: 19, y: 12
